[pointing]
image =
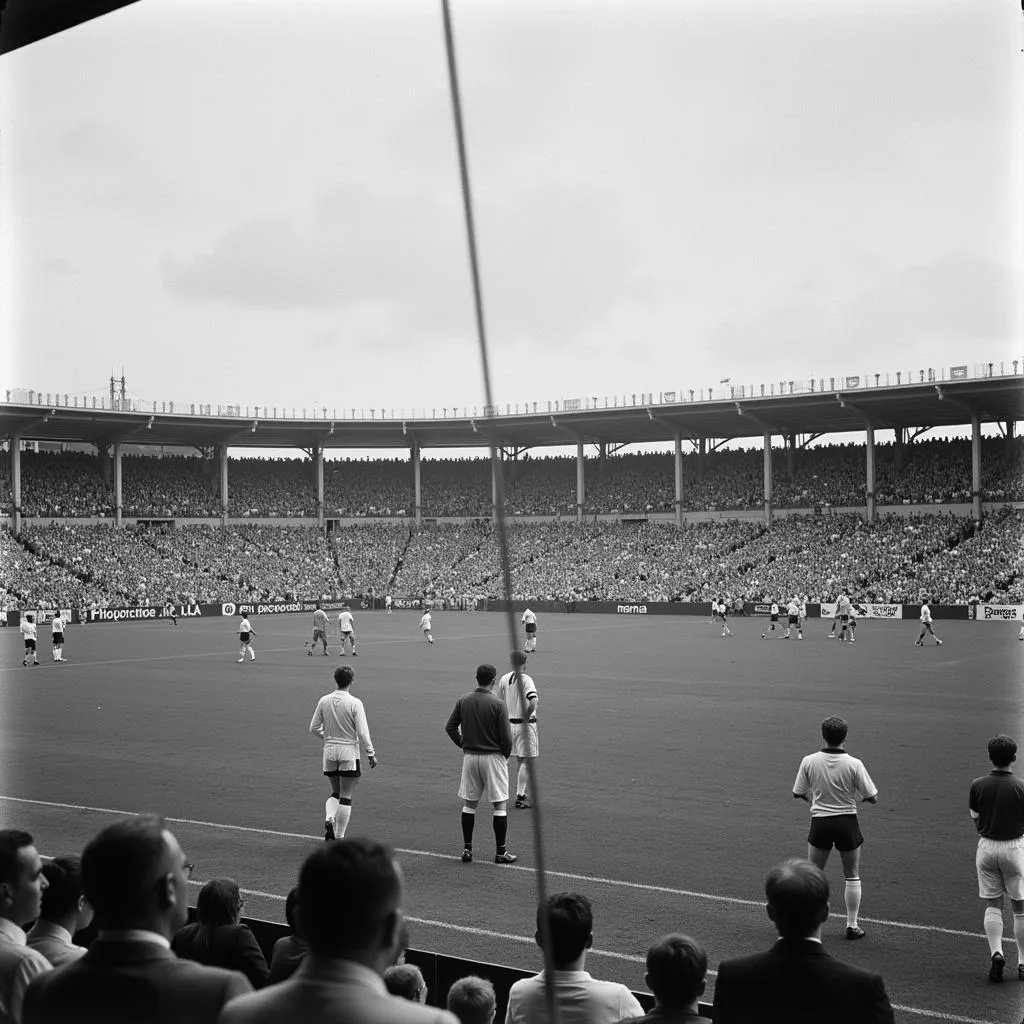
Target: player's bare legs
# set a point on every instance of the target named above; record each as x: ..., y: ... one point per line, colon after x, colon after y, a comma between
x: 851, y: 871
x: 522, y: 786
x: 817, y: 856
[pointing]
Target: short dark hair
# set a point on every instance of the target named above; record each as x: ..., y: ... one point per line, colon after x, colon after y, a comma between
x: 11, y: 841
x: 834, y: 730
x: 518, y: 659
x: 797, y: 894
x: 472, y: 1000
x: 291, y: 906
x: 120, y: 863
x: 404, y: 981
x: 1002, y: 750
x: 218, y: 902
x: 63, y: 887
x: 346, y: 889
x: 571, y: 921
x: 485, y: 675
x: 676, y: 966
x: 344, y: 675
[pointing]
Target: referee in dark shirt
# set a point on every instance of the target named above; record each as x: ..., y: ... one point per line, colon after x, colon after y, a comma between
x: 479, y: 726
x: 997, y: 807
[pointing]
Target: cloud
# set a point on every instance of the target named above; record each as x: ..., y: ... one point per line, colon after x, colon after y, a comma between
x: 554, y: 258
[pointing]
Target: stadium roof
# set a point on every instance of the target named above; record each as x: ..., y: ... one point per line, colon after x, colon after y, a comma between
x: 935, y: 404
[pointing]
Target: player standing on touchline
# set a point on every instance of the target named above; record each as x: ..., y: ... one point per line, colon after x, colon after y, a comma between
x: 340, y: 721
x: 926, y: 625
x: 245, y: 630
x: 529, y: 621
x: 28, y: 631
x: 425, y: 626
x: 57, y: 627
x: 347, y: 627
x: 523, y: 719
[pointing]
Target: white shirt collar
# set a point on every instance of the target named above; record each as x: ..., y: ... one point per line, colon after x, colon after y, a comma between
x: 12, y: 932
x: 132, y: 935
x: 51, y: 929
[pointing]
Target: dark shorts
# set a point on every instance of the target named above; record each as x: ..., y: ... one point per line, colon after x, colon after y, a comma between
x: 840, y: 830
x: 30, y: 645
x: 319, y: 634
x: 58, y: 639
x: 531, y: 627
x: 775, y: 618
x: 794, y: 620
x: 844, y: 618
x: 243, y: 637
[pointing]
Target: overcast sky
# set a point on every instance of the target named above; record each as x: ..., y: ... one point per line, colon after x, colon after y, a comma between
x: 255, y: 202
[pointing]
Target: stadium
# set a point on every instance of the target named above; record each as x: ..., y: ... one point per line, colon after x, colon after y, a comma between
x: 657, y: 535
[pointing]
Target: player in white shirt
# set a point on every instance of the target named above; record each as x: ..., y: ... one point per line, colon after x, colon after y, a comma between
x: 245, y: 632
x: 723, y: 614
x: 774, y: 612
x: 926, y: 625
x: 843, y: 613
x: 387, y: 603
x: 425, y: 626
x: 347, y: 629
x: 523, y: 719
x: 793, y: 619
x: 831, y: 781
x: 57, y: 636
x: 529, y: 621
x: 340, y: 721
x: 28, y: 632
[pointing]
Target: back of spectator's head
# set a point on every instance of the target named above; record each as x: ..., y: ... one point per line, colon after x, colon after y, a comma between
x: 571, y: 923
x: 797, y: 894
x: 291, y: 910
x: 64, y: 894
x: 485, y: 675
x: 358, y: 882
x: 219, y: 902
x: 834, y: 730
x: 135, y: 876
x: 676, y: 966
x: 343, y: 676
x: 472, y: 1000
x: 407, y: 982
x: 21, y: 877
x: 1002, y: 751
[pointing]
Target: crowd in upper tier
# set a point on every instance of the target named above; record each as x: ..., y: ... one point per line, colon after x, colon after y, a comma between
x: 897, y: 559
x: 79, y: 485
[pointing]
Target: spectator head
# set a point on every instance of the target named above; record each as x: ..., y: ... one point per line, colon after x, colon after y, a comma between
x: 676, y: 966
x: 291, y: 909
x: 64, y: 901
x: 833, y: 731
x: 359, y: 882
x: 485, y: 675
x: 343, y: 677
x: 135, y: 875
x: 571, y: 924
x: 518, y: 659
x: 318, y: 606
x: 797, y: 894
x: 219, y: 902
x: 406, y: 981
x: 472, y: 1000
x: 30, y: 617
x: 1002, y: 751
x: 22, y: 881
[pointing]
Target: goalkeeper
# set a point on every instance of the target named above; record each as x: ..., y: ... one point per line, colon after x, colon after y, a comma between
x: 320, y: 624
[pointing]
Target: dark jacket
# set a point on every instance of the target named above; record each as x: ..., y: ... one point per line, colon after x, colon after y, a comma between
x: 479, y: 724
x: 289, y: 952
x: 232, y: 946
x: 799, y: 982
x: 120, y: 981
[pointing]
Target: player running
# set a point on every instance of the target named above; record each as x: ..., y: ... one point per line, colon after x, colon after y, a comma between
x: 347, y: 629
x: 835, y: 621
x: 793, y: 619
x: 320, y: 626
x: 425, y: 626
x: 245, y: 631
x: 387, y: 603
x: 723, y: 614
x: 28, y: 631
x: 529, y: 621
x: 926, y: 625
x: 773, y: 611
x: 57, y: 636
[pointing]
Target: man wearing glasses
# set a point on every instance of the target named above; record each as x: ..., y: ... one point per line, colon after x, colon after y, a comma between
x: 135, y: 875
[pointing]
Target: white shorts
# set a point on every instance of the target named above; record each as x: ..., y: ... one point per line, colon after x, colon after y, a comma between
x: 1000, y: 864
x: 525, y: 740
x: 340, y: 757
x: 484, y: 775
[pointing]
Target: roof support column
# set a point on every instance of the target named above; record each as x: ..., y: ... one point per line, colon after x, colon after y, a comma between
x: 117, y: 483
x: 679, y: 478
x: 16, y: 483
x: 318, y: 470
x: 870, y: 488
x: 768, y: 478
x: 701, y: 452
x: 222, y: 452
x: 976, y: 466
x: 581, y: 488
x: 495, y: 468
x: 414, y: 452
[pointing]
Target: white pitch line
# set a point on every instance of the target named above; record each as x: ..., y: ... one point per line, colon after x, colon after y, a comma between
x: 529, y: 940
x: 505, y: 869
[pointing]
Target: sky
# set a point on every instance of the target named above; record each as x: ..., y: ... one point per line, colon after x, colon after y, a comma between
x: 240, y: 201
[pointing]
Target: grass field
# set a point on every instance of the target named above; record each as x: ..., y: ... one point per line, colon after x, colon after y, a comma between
x: 668, y: 757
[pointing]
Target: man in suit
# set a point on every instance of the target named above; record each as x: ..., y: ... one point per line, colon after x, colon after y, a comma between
x: 65, y: 910
x: 350, y: 892
x: 136, y: 878
x: 797, y: 980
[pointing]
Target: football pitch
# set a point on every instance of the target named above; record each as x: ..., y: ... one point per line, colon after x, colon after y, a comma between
x: 668, y: 755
